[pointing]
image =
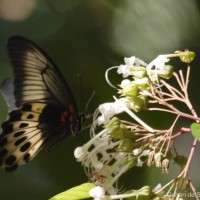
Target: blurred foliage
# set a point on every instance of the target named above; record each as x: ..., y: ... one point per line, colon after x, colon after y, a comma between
x: 85, y: 38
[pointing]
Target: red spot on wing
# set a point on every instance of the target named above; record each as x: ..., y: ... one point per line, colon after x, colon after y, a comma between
x: 63, y: 117
x: 67, y: 115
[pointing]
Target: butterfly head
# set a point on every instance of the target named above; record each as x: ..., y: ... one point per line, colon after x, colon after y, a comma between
x: 79, y: 124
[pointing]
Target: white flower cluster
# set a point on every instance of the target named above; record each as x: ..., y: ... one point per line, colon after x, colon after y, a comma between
x: 103, y: 165
x: 102, y: 162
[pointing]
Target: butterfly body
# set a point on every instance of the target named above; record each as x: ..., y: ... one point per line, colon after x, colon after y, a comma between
x: 42, y: 108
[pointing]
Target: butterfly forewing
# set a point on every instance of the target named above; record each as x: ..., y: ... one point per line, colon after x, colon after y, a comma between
x: 37, y: 78
x: 42, y: 108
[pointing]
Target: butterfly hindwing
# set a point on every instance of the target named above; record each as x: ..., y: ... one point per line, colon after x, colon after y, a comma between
x: 21, y: 138
x: 28, y: 129
x: 42, y: 107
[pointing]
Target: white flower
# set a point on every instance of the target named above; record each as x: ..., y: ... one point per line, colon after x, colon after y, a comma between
x: 108, y: 110
x: 157, y: 64
x: 133, y: 61
x: 102, y: 165
x: 160, y: 61
x: 96, y: 164
x: 98, y: 193
x: 124, y: 70
x: 79, y: 152
x: 130, y: 63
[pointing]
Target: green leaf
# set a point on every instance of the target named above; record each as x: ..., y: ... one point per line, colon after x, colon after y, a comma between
x: 196, y: 130
x: 75, y: 193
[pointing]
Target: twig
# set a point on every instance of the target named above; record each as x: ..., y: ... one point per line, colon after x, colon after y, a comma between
x: 176, y: 113
x: 173, y: 90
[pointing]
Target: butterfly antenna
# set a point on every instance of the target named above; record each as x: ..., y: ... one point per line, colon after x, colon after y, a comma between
x: 89, y: 101
x: 83, y: 94
x: 81, y: 90
x: 86, y: 127
x: 88, y: 115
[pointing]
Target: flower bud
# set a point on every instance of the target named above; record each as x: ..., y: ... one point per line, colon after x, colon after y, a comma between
x: 166, y: 71
x: 113, y: 123
x: 186, y: 56
x: 158, y: 158
x: 144, y: 193
x: 145, y: 99
x: 132, y: 161
x: 138, y: 103
x: 142, y: 82
x: 79, y: 152
x: 139, y: 72
x: 125, y: 83
x: 127, y: 145
x: 131, y: 90
x: 165, y: 165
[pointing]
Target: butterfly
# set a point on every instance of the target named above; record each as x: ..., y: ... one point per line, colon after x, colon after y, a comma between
x: 42, y: 109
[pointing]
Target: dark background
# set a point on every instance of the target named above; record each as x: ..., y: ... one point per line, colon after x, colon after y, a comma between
x: 85, y: 38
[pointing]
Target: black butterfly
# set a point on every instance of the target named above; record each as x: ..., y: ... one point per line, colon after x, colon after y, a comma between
x: 42, y: 109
